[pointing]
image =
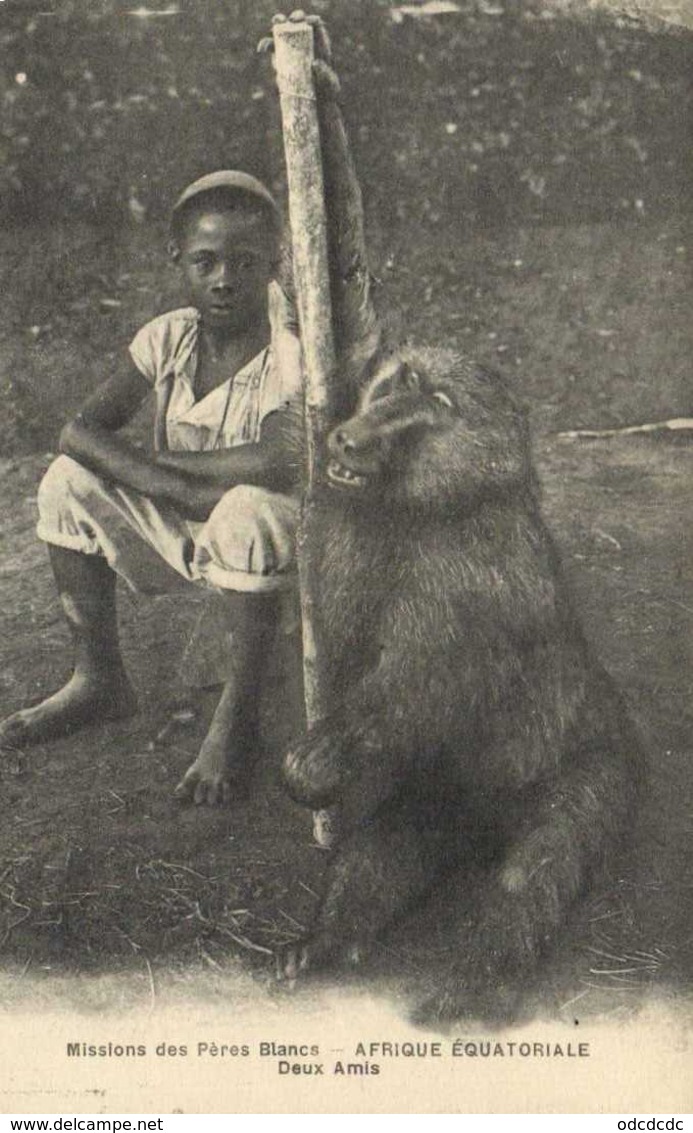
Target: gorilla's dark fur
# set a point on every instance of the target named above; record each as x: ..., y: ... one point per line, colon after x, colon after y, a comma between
x: 462, y: 696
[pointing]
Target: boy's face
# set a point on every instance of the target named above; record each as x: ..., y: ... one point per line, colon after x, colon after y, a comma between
x: 227, y: 259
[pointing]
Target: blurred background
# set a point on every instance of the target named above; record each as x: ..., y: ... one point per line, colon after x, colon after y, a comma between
x: 525, y: 164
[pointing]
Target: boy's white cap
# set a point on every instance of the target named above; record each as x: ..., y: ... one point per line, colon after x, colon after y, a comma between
x: 227, y: 179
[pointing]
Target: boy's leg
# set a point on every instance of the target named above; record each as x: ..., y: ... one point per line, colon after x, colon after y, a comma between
x: 246, y: 550
x: 99, y: 687
x: 95, y: 531
x: 226, y: 755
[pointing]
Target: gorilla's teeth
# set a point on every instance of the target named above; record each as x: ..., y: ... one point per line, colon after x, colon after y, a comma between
x: 342, y: 475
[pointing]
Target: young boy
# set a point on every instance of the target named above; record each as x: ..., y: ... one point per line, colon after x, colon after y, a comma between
x: 217, y: 500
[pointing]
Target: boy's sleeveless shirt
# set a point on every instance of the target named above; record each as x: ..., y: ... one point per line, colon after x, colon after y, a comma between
x: 165, y: 353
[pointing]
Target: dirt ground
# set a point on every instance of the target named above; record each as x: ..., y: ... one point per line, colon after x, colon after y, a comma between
x: 102, y: 873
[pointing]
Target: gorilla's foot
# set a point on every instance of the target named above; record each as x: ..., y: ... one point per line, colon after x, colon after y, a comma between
x: 496, y: 1007
x: 314, y: 954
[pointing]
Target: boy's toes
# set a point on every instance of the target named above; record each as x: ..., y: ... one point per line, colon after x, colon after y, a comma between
x: 207, y: 789
x: 215, y: 791
x: 205, y: 793
x: 185, y: 789
x: 191, y: 785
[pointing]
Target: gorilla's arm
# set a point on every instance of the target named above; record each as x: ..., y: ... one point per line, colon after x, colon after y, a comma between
x: 357, y: 331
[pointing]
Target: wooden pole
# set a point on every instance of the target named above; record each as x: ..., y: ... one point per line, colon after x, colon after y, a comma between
x: 293, y: 51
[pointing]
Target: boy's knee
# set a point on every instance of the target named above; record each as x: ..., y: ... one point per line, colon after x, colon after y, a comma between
x: 254, y: 513
x: 64, y: 480
x: 244, y: 502
x: 250, y: 530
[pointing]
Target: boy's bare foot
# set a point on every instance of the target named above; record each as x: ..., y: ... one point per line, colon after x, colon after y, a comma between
x: 216, y: 778
x: 85, y: 698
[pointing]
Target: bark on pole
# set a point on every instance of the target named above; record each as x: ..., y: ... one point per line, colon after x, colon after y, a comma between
x: 293, y: 53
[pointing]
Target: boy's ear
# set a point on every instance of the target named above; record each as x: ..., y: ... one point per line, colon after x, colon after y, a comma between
x: 173, y: 249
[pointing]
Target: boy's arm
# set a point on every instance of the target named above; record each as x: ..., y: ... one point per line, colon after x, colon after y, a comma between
x: 193, y: 482
x: 275, y: 461
x: 117, y: 460
x: 115, y: 401
x: 90, y: 439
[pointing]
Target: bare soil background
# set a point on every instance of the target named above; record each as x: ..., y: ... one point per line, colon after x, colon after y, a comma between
x: 526, y: 182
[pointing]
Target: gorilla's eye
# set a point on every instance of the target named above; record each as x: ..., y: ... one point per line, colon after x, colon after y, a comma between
x: 410, y: 379
x: 442, y: 397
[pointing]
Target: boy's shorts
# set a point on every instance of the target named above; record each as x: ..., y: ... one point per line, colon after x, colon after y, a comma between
x: 246, y: 544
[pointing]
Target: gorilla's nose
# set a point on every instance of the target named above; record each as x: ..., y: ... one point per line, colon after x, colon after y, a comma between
x: 343, y: 441
x: 353, y: 439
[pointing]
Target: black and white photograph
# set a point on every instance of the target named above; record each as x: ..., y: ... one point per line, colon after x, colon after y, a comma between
x: 346, y: 666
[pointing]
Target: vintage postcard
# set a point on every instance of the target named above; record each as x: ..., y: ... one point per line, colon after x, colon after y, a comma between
x: 468, y: 888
